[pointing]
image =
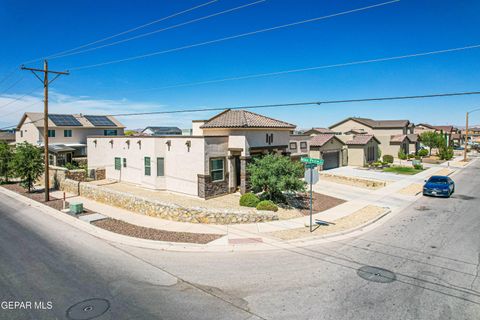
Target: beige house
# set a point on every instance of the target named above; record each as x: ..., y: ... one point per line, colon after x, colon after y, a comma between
x: 67, y: 133
x: 329, y: 148
x: 362, y: 149
x: 450, y: 132
x: 392, y: 135
x: 299, y: 146
x: 210, y: 162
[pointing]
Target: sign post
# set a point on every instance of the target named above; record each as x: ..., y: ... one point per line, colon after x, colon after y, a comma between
x: 311, y: 177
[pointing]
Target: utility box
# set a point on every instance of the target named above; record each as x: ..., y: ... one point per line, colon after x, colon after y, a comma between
x: 76, y: 207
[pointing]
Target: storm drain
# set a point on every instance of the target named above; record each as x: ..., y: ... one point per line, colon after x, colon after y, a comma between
x: 376, y: 274
x: 88, y: 309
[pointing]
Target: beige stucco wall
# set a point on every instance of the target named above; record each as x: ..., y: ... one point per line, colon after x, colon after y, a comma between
x: 181, y: 164
x: 350, y: 125
x: 332, y: 145
x: 357, y: 155
x: 30, y: 133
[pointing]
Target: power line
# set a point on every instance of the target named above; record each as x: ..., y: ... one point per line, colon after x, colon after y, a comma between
x: 13, y: 85
x: 234, y: 36
x: 8, y: 75
x: 123, y: 32
x: 437, y: 95
x: 22, y: 108
x: 261, y: 75
x: 293, y: 104
x: 159, y: 30
x: 17, y: 99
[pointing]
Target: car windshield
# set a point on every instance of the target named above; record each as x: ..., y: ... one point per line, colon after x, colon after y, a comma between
x: 438, y: 180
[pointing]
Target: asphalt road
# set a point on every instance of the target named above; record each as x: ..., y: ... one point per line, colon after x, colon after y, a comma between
x: 429, y: 254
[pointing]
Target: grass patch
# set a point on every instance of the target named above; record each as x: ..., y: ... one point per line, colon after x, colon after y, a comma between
x: 402, y: 170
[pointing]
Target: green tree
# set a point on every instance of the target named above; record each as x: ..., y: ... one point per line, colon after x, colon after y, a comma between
x: 432, y: 140
x: 6, y: 155
x: 28, y: 164
x: 130, y: 132
x: 275, y: 174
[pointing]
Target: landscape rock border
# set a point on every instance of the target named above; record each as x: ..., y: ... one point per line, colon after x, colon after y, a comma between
x: 167, y: 211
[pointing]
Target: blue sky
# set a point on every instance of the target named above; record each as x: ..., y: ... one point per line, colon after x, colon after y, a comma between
x: 33, y: 29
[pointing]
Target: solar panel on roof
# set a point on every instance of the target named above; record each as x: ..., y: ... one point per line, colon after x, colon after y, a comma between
x: 64, y: 120
x: 100, y: 121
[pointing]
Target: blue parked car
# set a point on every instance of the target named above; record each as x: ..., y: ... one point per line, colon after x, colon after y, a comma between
x: 439, y: 186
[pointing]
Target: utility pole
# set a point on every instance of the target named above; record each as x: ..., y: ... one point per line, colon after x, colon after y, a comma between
x: 45, y: 116
x: 466, y: 139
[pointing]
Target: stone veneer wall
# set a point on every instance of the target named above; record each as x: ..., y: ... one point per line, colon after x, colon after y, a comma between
x: 354, y: 181
x: 164, y: 210
x: 208, y: 189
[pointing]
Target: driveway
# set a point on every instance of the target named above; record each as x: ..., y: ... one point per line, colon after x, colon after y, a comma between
x: 364, y: 173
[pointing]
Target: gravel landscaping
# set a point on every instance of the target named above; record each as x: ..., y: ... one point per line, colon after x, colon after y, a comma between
x: 131, y: 230
x: 356, y: 219
x: 37, y: 195
x: 320, y: 203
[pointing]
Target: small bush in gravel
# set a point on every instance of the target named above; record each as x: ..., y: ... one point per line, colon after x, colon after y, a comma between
x: 423, y: 152
x: 388, y: 158
x: 267, y: 205
x: 249, y: 200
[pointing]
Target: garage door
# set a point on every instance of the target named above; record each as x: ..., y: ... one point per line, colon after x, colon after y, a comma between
x: 331, y: 160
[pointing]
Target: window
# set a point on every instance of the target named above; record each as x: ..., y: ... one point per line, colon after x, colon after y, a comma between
x: 293, y: 145
x: 303, y: 145
x: 51, y: 133
x: 217, y: 169
x: 67, y: 133
x: 269, y: 138
x: 21, y: 133
x: 118, y: 163
x: 160, y: 167
x: 109, y: 132
x: 148, y: 168
x: 124, y: 162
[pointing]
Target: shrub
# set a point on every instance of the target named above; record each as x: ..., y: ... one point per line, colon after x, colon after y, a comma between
x: 249, y: 200
x: 418, y: 166
x: 388, y: 158
x: 267, y: 205
x: 6, y: 156
x: 446, y: 153
x: 275, y: 174
x: 411, y: 156
x: 423, y: 152
x: 402, y: 155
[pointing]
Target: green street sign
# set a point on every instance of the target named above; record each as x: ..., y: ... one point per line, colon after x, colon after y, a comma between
x: 311, y: 160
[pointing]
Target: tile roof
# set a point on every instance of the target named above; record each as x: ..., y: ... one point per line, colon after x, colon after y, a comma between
x: 164, y: 130
x: 361, y: 139
x: 444, y: 128
x: 399, y: 138
x: 413, y: 137
x: 244, y: 119
x: 377, y: 124
x: 321, y: 139
x: 37, y: 119
x: 320, y: 130
x: 7, y: 136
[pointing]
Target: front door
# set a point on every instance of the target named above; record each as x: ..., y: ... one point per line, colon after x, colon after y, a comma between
x: 237, y: 171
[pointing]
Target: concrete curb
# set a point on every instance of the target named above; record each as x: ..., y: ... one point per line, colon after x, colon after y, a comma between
x: 268, y: 245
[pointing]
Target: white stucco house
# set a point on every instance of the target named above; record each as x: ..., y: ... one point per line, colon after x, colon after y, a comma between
x: 210, y: 162
x: 67, y: 133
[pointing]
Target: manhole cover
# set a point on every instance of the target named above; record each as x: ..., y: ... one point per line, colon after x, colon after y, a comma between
x: 88, y: 309
x: 376, y: 274
x: 422, y: 208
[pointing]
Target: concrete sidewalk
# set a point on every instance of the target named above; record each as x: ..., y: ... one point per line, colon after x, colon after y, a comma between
x: 388, y: 197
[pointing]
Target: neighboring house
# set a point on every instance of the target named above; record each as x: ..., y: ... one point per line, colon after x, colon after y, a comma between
x: 329, y: 148
x: 7, y: 136
x: 209, y: 163
x: 473, y: 134
x: 391, y: 134
x: 299, y: 145
x: 316, y: 131
x: 362, y: 149
x: 162, y: 131
x: 448, y: 131
x: 67, y: 133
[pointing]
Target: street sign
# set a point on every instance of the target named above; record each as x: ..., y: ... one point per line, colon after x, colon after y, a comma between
x: 311, y: 177
x: 311, y: 160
